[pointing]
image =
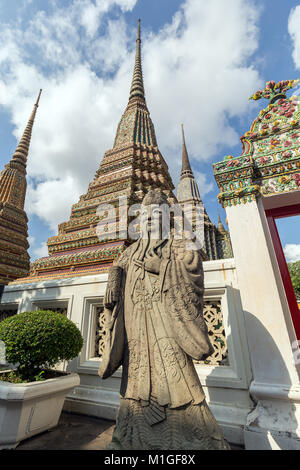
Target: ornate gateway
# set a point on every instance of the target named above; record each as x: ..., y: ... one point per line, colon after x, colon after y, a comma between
x: 270, y: 161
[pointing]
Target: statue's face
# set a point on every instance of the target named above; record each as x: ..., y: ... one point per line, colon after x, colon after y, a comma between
x: 153, y: 221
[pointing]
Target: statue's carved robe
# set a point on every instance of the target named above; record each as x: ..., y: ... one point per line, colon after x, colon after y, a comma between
x: 157, y: 329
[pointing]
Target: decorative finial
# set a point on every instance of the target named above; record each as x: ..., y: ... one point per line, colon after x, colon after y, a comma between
x: 22, y: 149
x: 183, y: 137
x: 274, y: 91
x: 38, y: 100
x: 137, y: 86
x: 139, y: 30
x: 186, y: 167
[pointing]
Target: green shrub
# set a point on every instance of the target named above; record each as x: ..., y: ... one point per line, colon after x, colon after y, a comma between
x: 38, y: 340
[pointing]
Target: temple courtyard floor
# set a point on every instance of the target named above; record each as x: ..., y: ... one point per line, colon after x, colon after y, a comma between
x: 75, y: 432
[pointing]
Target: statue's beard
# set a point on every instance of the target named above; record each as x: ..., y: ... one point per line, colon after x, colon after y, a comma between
x: 154, y: 233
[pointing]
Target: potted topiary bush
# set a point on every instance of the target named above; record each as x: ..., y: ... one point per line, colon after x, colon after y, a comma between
x: 33, y: 393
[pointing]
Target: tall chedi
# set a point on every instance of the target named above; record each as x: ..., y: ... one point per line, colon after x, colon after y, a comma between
x: 129, y: 169
x: 188, y: 195
x: 14, y: 257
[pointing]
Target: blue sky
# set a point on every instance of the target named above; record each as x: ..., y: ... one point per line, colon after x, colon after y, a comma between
x: 201, y: 61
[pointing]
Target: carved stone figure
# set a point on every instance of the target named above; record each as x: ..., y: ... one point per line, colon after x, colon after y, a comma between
x: 154, y: 329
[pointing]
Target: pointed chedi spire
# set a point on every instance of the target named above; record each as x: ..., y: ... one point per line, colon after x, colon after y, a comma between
x: 220, y: 226
x: 137, y: 85
x: 13, y: 177
x: 188, y: 196
x: 14, y: 258
x: 186, y: 170
x: 22, y: 149
x: 187, y: 189
x: 136, y: 125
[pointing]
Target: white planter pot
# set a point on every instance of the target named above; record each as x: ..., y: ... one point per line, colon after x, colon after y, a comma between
x: 31, y: 408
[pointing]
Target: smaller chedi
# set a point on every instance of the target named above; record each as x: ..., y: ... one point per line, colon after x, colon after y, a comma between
x: 216, y: 242
x: 155, y: 328
x: 14, y: 257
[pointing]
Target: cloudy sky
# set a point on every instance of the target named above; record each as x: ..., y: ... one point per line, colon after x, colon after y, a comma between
x: 201, y: 60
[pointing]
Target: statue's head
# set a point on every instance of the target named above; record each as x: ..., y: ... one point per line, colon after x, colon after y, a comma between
x: 155, y: 196
x: 155, y: 217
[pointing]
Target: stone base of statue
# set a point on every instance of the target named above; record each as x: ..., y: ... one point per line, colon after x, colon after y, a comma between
x: 190, y: 427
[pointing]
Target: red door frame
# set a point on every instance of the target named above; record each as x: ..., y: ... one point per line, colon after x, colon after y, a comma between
x: 278, y: 213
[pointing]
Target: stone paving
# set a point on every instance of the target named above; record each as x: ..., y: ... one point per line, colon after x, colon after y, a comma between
x: 75, y: 432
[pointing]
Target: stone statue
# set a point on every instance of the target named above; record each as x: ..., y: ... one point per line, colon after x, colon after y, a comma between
x: 154, y: 329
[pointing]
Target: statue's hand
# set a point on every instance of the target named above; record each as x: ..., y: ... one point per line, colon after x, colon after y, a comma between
x: 113, y: 288
x: 110, y: 300
x: 139, y: 263
x: 152, y: 265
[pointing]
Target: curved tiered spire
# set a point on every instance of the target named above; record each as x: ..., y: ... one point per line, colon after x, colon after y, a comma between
x: 137, y: 86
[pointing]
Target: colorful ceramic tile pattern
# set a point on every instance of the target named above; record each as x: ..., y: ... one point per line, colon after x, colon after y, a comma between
x: 270, y: 160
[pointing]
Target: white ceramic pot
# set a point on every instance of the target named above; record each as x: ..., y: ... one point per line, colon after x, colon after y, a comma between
x: 31, y: 408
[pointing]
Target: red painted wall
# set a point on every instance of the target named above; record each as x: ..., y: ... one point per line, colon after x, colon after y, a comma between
x: 272, y: 215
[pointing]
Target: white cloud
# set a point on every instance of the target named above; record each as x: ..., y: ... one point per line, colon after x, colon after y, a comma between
x: 51, y: 200
x: 292, y: 252
x: 201, y: 71
x: 42, y: 251
x: 294, y: 31
x: 204, y: 186
x: 91, y: 13
x: 197, y: 70
x: 31, y: 240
